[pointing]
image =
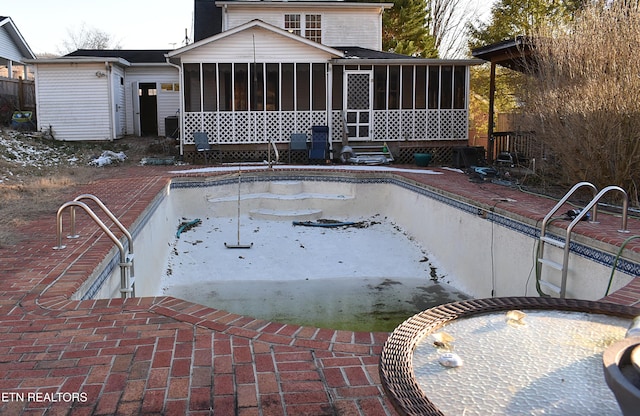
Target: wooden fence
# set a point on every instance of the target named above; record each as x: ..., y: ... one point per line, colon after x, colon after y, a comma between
x: 16, y: 94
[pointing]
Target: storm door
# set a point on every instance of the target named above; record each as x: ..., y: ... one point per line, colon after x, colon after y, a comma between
x: 358, y: 103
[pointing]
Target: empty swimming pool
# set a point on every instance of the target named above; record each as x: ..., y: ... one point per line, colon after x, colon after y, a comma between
x: 478, y: 249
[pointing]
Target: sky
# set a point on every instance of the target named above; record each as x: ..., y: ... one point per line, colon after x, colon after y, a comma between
x: 134, y: 24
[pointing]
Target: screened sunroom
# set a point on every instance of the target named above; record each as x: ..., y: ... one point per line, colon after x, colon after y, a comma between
x: 256, y: 84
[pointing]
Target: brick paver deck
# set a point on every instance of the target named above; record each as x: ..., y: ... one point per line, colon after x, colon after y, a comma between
x: 166, y: 356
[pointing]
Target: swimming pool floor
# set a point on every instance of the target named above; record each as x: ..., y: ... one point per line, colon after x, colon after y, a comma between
x: 166, y: 356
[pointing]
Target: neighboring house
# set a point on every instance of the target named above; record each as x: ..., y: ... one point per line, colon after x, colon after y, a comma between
x: 260, y: 71
x: 16, y: 79
x: 13, y: 51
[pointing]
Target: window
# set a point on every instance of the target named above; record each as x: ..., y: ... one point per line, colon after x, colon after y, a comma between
x: 257, y: 87
x: 421, y: 87
x: 302, y: 87
x: 311, y: 28
x: 287, y: 89
x: 337, y: 87
x: 240, y: 87
x: 380, y: 88
x: 434, y: 86
x: 191, y: 87
x: 319, y: 85
x: 273, y: 87
x: 226, y: 97
x: 394, y: 87
x: 292, y: 23
x: 446, y: 87
x: 459, y: 86
x: 407, y: 87
x: 209, y: 95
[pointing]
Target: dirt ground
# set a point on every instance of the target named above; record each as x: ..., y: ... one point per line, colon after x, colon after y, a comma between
x: 36, y: 172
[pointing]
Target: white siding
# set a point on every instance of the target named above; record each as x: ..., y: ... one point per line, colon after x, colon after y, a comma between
x: 8, y: 48
x: 73, y: 101
x: 269, y: 47
x: 341, y: 26
x: 168, y: 101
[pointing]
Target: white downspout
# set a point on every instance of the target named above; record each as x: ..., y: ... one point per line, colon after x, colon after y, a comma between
x: 329, y: 89
x: 112, y: 116
x: 181, y: 118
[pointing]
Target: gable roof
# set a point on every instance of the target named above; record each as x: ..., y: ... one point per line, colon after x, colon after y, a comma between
x: 252, y: 24
x: 23, y: 48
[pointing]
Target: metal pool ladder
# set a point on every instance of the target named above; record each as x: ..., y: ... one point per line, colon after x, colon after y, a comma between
x: 127, y: 279
x: 546, y: 239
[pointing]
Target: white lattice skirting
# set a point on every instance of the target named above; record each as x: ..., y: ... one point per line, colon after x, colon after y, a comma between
x: 245, y: 127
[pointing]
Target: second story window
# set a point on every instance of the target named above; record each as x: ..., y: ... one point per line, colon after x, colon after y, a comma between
x: 309, y: 26
x: 292, y: 23
x: 312, y: 29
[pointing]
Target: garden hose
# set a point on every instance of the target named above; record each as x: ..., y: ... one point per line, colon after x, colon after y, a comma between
x: 615, y: 261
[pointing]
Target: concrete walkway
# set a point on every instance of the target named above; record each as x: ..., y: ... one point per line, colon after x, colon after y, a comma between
x: 167, y: 356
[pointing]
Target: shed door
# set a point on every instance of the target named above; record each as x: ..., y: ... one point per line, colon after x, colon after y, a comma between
x: 358, y: 104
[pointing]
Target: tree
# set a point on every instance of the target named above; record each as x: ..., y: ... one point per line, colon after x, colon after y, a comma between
x: 448, y: 25
x: 404, y: 29
x: 88, y: 38
x: 582, y: 98
x: 511, y: 18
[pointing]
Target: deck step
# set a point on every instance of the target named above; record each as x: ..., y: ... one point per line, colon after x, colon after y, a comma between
x: 286, y: 215
x: 553, y: 241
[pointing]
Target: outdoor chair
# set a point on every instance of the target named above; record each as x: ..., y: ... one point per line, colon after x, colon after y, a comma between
x: 203, y: 146
x: 298, y: 143
x: 319, y: 143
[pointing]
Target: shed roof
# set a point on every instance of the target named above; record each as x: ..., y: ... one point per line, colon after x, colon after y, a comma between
x: 135, y: 56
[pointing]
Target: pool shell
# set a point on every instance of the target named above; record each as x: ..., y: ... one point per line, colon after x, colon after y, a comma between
x: 487, y: 250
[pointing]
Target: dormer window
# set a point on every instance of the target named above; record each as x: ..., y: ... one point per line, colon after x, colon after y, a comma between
x: 309, y: 26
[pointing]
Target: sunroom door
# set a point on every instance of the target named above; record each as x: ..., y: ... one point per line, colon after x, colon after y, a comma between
x: 358, y: 104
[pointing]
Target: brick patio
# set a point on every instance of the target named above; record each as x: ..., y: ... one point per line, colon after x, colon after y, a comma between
x: 166, y: 356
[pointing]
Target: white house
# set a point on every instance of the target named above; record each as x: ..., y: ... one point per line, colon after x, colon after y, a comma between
x: 260, y: 71
x: 14, y: 51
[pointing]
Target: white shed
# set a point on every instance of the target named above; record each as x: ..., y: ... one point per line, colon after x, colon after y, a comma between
x: 106, y: 94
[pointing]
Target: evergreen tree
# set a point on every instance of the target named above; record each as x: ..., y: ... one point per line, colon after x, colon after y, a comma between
x: 405, y: 29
